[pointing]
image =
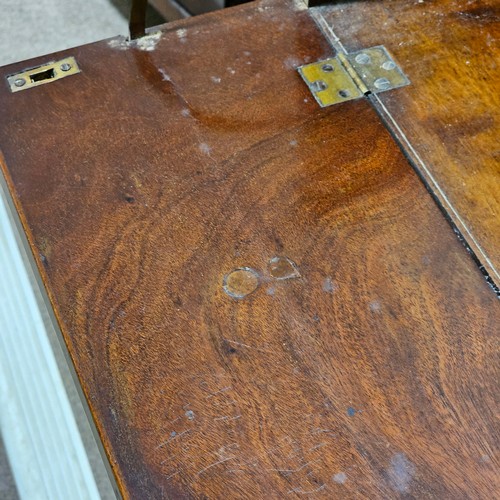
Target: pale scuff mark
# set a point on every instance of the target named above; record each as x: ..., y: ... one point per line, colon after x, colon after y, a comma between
x: 181, y: 35
x: 205, y: 148
x: 147, y: 43
x: 119, y: 43
x: 291, y: 62
x: 340, y: 477
x: 401, y: 472
x: 328, y: 285
x: 164, y: 75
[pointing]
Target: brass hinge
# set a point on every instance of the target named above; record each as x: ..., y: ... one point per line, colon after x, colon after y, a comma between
x: 350, y: 76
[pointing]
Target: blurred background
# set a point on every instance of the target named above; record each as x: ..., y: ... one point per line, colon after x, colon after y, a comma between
x: 32, y: 28
x: 36, y: 27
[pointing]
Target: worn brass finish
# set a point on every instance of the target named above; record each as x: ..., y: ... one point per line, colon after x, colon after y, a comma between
x: 329, y: 82
x: 352, y: 73
x: 379, y: 72
x: 350, y: 76
x: 40, y: 75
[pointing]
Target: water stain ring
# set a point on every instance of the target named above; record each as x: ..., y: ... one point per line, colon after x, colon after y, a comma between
x: 283, y: 268
x: 241, y: 282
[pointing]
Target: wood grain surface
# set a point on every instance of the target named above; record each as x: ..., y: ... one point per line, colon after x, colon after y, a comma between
x: 259, y: 296
x: 448, y: 119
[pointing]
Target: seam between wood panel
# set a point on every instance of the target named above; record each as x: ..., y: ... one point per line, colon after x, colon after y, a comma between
x: 438, y: 194
x: 460, y: 228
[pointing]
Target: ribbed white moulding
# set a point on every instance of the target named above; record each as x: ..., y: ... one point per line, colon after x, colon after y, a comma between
x: 38, y: 423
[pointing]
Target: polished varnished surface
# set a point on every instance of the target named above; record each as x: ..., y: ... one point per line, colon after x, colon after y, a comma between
x: 450, y: 114
x: 260, y: 297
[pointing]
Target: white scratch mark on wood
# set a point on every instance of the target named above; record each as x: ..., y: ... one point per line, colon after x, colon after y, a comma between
x: 300, y: 491
x: 290, y: 471
x: 325, y: 431
x: 172, y: 438
x: 320, y: 445
x: 245, y: 345
x: 164, y: 75
x: 224, y: 389
x: 227, y: 417
x: 213, y: 465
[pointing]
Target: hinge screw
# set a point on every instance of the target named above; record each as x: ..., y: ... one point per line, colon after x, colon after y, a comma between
x: 382, y: 83
x: 328, y: 68
x: 20, y: 82
x: 362, y: 58
x: 66, y: 66
x: 319, y: 85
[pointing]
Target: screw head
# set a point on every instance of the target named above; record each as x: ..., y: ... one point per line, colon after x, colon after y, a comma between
x: 19, y: 82
x: 319, y: 85
x: 363, y: 58
x: 328, y: 68
x: 66, y: 66
x: 382, y: 83
x: 388, y: 65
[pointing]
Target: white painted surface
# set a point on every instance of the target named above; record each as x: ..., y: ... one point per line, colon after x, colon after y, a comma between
x: 37, y: 420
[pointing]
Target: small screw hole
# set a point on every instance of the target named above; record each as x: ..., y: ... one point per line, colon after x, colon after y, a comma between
x: 344, y: 93
x: 319, y: 86
x: 328, y: 68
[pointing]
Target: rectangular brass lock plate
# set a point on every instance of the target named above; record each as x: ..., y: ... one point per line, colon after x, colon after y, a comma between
x: 350, y: 76
x: 41, y: 75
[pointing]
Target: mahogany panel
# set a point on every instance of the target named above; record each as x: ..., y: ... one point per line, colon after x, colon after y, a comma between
x: 448, y: 119
x: 259, y: 296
